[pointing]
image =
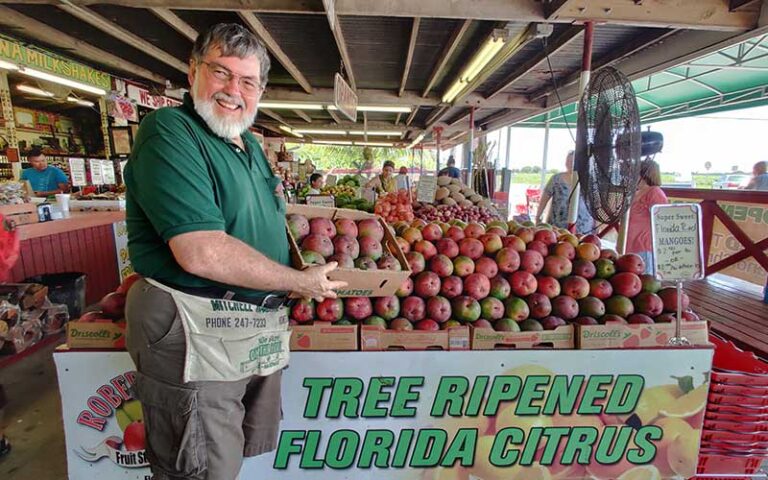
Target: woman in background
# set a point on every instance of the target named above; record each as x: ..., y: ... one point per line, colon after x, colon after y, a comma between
x: 649, y: 193
x: 558, y: 189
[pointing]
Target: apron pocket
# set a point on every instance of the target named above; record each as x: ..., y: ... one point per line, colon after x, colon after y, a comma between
x: 261, y: 354
x: 174, y: 431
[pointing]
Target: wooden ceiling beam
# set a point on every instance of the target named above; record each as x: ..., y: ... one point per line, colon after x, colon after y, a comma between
x: 13, y: 20
x: 274, y: 48
x: 341, y: 44
x: 173, y: 20
x: 94, y: 19
x: 274, y: 115
x: 553, y: 46
x: 303, y: 116
x: 364, y: 96
x: 409, y: 54
x: 693, y: 14
x: 446, y: 55
x: 334, y: 116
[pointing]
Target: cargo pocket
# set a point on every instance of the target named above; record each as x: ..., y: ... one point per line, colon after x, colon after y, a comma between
x: 175, y: 437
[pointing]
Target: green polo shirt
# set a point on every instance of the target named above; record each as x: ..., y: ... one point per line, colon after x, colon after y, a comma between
x: 182, y: 178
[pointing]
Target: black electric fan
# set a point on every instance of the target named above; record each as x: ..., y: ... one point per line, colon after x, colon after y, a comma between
x: 608, y: 145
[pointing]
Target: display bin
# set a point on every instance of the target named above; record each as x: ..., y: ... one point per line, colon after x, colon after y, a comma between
x: 361, y: 283
x: 21, y: 214
x: 561, y: 338
x: 620, y: 335
x: 324, y: 336
x: 376, y: 338
x: 67, y: 288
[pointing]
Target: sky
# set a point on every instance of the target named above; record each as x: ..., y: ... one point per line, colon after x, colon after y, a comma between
x: 727, y: 139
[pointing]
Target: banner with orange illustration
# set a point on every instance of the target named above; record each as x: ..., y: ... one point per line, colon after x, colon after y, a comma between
x: 434, y: 415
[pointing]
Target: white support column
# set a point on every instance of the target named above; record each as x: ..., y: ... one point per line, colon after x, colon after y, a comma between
x: 544, y: 156
x: 105, y: 127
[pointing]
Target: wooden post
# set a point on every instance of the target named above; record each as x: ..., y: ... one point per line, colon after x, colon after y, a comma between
x: 10, y: 124
x: 471, y: 145
x: 586, y: 71
x: 105, y: 127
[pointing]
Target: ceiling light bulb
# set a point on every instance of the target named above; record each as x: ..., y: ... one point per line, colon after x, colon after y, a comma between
x: 61, y: 81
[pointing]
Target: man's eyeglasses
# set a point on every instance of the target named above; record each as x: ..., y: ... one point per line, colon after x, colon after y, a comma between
x: 248, y: 85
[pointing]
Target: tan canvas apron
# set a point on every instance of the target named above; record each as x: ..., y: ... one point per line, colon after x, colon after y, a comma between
x: 229, y: 340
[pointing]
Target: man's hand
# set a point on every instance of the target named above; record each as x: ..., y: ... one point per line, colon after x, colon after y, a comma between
x: 315, y: 283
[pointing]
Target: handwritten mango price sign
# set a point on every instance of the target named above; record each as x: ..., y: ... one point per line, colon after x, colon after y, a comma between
x: 677, y: 243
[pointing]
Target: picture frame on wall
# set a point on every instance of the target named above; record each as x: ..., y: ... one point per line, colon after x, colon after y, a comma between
x: 122, y: 140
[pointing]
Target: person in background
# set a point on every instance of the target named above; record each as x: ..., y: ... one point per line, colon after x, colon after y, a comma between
x: 649, y: 193
x: 760, y: 177
x: 558, y: 190
x: 315, y: 184
x: 402, y: 180
x: 450, y: 170
x: 45, y: 180
x: 384, y: 182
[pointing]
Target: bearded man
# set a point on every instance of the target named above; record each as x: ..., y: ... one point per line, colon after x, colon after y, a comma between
x: 207, y: 327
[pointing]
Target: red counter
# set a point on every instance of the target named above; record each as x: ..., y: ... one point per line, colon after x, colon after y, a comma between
x: 85, y: 242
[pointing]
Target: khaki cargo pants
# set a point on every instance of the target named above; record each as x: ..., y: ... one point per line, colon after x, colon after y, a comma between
x: 196, y: 430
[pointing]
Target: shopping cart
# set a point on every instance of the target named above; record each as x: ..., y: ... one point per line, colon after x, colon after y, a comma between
x: 734, y: 442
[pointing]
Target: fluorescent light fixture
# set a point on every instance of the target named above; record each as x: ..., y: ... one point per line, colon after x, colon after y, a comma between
x: 378, y: 108
x: 374, y: 144
x: 80, y: 101
x: 320, y: 131
x: 332, y: 142
x: 475, y: 66
x: 8, y: 65
x: 290, y: 105
x: 34, y: 91
x: 383, y: 133
x: 291, y: 131
x: 416, y: 140
x: 62, y: 81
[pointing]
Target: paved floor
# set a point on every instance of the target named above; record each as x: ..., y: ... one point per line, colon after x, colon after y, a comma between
x: 33, y: 420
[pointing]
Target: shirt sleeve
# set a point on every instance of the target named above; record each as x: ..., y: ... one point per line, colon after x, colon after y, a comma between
x: 61, y: 177
x: 657, y: 197
x: 24, y: 174
x: 171, y: 184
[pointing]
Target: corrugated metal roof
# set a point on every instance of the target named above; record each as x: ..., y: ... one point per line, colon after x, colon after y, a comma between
x: 377, y: 49
x: 308, y: 42
x: 433, y: 35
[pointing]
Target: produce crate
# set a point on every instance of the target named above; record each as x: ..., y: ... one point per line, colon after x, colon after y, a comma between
x: 101, y: 336
x: 28, y: 296
x: 21, y: 214
x: 561, y: 338
x: 375, y: 338
x: 361, y: 283
x: 96, y: 205
x: 619, y: 335
x: 324, y: 336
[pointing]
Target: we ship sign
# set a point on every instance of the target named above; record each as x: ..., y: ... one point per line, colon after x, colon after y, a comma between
x: 487, y: 415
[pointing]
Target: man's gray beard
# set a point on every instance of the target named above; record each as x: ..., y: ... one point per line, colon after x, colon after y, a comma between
x: 222, y: 127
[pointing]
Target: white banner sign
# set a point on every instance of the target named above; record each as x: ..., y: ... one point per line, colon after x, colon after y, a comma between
x: 96, y: 172
x: 108, y: 172
x: 429, y: 415
x: 77, y: 172
x: 144, y: 98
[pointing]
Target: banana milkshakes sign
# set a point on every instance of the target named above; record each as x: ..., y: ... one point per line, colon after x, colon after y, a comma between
x: 18, y: 54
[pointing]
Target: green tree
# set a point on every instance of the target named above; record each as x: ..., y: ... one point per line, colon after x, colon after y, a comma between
x: 327, y: 157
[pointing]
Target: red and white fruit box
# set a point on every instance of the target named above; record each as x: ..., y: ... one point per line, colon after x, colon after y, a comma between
x: 561, y: 338
x: 324, y: 336
x: 619, y: 335
x: 361, y: 283
x: 376, y: 338
x: 96, y: 335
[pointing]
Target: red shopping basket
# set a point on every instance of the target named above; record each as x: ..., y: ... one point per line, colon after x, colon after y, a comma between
x: 734, y: 440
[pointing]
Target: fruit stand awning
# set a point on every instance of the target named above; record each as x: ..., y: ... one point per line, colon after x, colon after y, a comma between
x: 732, y: 78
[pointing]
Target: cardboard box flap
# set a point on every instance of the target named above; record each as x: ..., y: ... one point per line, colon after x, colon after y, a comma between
x: 324, y: 336
x: 361, y: 283
x: 376, y: 338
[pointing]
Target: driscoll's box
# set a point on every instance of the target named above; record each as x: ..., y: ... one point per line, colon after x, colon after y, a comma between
x: 324, y: 336
x: 561, y: 338
x: 361, y: 283
x: 375, y: 338
x: 619, y: 335
x: 87, y: 335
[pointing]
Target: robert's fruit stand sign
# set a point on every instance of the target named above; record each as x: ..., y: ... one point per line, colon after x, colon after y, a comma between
x: 434, y: 415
